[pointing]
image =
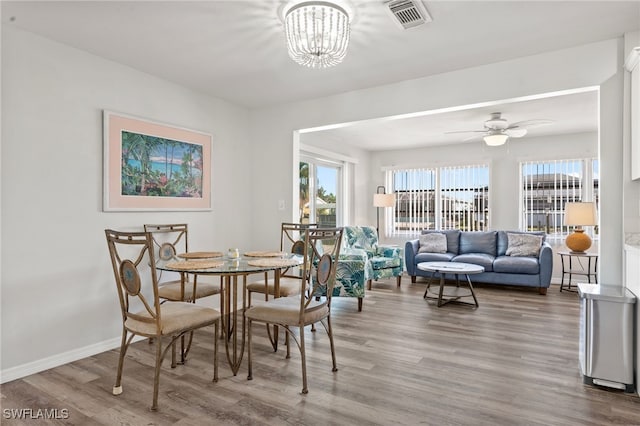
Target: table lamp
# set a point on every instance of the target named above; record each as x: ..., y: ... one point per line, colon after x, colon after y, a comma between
x: 579, y: 215
x: 382, y: 199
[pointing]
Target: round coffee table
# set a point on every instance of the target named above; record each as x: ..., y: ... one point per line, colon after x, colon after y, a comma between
x: 452, y: 293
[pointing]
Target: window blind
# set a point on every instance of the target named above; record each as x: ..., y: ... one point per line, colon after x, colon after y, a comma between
x: 439, y: 198
x: 548, y: 185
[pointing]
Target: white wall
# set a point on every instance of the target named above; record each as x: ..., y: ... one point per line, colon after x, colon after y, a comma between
x: 58, y: 294
x: 631, y: 188
x: 611, y: 174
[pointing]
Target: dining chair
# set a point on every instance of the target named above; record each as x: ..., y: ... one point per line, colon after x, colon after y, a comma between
x: 142, y: 312
x: 170, y: 240
x: 291, y: 236
x: 321, y: 251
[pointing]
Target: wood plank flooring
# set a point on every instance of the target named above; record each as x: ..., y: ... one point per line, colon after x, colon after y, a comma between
x: 402, y: 361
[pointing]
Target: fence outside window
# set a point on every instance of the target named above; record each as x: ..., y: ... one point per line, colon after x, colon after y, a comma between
x: 546, y: 186
x: 439, y: 198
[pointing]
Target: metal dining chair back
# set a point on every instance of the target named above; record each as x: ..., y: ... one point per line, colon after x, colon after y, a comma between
x: 321, y: 252
x: 291, y: 238
x: 290, y: 233
x: 133, y: 262
x: 170, y: 240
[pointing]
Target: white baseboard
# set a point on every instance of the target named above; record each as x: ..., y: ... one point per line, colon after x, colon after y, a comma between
x: 33, y: 367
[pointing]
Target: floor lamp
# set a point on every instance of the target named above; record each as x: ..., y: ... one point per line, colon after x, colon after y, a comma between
x: 382, y: 199
x: 579, y: 215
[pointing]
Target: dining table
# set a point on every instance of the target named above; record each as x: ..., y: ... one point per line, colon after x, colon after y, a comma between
x: 233, y: 268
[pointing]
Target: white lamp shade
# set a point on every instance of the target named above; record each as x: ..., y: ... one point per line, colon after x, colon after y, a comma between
x: 496, y: 139
x: 384, y: 200
x: 580, y: 214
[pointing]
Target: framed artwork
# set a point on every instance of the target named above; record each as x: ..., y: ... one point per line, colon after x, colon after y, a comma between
x: 150, y: 166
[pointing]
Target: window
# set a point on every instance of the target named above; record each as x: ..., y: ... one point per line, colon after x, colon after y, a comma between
x: 320, y: 182
x: 439, y: 198
x: 548, y: 185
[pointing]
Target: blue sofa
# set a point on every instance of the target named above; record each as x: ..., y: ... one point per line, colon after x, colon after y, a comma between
x: 488, y: 249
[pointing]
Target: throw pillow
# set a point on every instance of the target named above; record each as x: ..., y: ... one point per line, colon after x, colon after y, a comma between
x: 433, y: 243
x: 522, y: 245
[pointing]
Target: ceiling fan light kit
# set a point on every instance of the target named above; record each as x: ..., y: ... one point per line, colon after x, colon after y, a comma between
x: 495, y: 138
x: 317, y: 33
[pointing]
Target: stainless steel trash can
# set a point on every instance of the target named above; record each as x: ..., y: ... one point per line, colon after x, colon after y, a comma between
x: 606, y: 335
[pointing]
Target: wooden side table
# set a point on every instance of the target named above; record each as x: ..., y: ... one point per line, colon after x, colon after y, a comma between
x: 568, y: 258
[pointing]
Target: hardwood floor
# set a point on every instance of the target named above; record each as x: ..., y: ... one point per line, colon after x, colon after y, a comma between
x: 402, y: 360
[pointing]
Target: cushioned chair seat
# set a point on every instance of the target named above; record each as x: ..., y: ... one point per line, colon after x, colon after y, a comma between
x: 175, y: 316
x: 516, y: 265
x: 482, y: 259
x: 288, y: 287
x: 171, y: 290
x: 384, y: 262
x: 287, y: 311
x: 352, y: 254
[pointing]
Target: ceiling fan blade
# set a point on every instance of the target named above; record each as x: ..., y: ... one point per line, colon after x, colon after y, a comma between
x: 531, y: 123
x: 516, y: 132
x: 473, y: 138
x: 465, y: 131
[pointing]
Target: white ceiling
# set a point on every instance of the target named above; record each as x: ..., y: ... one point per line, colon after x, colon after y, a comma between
x: 235, y: 50
x: 574, y: 112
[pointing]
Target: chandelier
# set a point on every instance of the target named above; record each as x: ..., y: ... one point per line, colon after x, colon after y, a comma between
x: 317, y: 33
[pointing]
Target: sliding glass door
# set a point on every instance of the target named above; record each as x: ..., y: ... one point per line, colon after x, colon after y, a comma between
x: 320, y: 195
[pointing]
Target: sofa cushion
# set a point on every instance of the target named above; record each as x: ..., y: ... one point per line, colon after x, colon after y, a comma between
x: 523, y: 245
x: 516, y: 265
x: 483, y: 259
x: 433, y: 242
x: 478, y: 242
x: 503, y: 240
x: 453, y: 236
x: 434, y: 257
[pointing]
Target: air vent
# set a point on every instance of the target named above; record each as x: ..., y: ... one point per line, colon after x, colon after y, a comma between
x: 408, y: 13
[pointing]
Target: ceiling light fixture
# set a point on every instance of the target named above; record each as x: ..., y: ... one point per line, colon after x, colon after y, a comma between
x: 317, y: 33
x: 495, y: 138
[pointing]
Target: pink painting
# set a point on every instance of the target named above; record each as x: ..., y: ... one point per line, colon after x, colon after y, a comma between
x: 154, y: 167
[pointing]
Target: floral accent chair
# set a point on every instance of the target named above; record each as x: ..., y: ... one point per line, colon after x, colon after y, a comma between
x: 352, y: 271
x: 361, y: 261
x: 384, y: 261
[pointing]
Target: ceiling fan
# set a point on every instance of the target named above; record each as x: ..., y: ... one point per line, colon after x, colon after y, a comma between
x: 497, y: 129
